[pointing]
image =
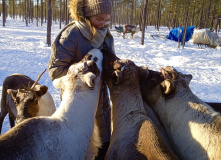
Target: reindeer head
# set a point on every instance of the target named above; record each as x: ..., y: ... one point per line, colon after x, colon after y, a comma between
x: 162, y: 84
x: 125, y: 72
x: 150, y: 87
x: 26, y: 100
x: 174, y: 80
x: 83, y: 73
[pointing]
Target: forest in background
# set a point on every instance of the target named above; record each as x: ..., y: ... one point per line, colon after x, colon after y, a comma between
x: 142, y: 13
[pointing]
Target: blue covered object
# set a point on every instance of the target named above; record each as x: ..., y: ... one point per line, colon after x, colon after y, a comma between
x: 120, y: 28
x: 174, y: 33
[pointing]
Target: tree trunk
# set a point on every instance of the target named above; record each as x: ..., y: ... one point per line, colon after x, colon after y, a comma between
x: 45, y: 11
x: 159, y: 15
x: 42, y: 18
x: 144, y: 22
x: 49, y: 24
x: 60, y: 14
x: 193, y: 15
x: 26, y: 13
x: 201, y: 16
x: 186, y: 23
x: 3, y: 13
x: 179, y: 38
x: 65, y: 12
x: 132, y: 11
x: 141, y: 20
x: 13, y: 9
x: 37, y: 13
x: 207, y: 21
x: 67, y: 15
x: 217, y: 25
x: 29, y: 11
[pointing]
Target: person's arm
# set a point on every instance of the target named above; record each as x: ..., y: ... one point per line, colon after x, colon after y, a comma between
x: 62, y: 54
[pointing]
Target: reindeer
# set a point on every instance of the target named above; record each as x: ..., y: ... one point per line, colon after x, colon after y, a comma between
x: 193, y: 126
x: 70, y: 132
x: 134, y: 135
x: 129, y: 29
x: 16, y: 96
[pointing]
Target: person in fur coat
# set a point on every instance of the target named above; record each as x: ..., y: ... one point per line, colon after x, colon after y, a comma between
x: 88, y: 30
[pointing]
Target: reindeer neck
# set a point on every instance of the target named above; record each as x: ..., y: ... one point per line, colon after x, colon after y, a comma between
x: 78, y: 107
x: 126, y: 101
x: 184, y: 103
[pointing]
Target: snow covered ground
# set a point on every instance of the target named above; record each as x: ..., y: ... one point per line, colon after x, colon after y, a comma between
x: 23, y: 49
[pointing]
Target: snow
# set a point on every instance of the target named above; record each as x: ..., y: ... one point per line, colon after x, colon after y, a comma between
x: 24, y: 50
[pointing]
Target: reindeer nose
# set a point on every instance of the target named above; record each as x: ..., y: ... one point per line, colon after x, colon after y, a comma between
x: 92, y: 67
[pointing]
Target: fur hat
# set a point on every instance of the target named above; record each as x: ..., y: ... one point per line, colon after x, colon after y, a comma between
x: 95, y: 7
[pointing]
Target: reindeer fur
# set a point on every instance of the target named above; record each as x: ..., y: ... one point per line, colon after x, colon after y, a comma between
x: 45, y: 106
x: 193, y: 126
x: 134, y: 135
x: 67, y: 134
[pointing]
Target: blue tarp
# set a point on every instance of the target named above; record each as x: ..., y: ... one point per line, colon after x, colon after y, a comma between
x: 174, y: 33
x: 120, y: 28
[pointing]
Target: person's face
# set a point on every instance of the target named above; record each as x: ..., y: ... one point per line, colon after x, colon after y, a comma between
x: 100, y: 20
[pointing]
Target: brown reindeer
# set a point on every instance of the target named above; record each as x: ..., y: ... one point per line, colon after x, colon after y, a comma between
x: 134, y: 135
x: 129, y: 29
x: 24, y: 102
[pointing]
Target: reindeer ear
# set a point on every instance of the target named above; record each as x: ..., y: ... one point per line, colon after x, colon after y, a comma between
x: 168, y: 86
x: 117, y: 75
x: 116, y: 64
x: 13, y: 93
x: 188, y: 78
x: 143, y: 72
x: 41, y: 91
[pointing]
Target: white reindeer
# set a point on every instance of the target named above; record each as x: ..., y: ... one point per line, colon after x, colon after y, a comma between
x: 193, y: 126
x: 69, y: 133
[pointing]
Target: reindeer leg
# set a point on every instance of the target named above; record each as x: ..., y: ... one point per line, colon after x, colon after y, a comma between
x: 124, y: 35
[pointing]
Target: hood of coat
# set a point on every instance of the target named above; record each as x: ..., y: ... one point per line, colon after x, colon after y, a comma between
x: 76, y: 9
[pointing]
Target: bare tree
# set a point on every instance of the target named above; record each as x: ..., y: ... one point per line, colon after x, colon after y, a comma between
x: 13, y: 8
x: 179, y: 37
x: 3, y: 13
x: 49, y: 24
x: 201, y: 15
x: 186, y: 22
x: 193, y: 11
x: 141, y: 19
x: 144, y: 21
x: 42, y: 18
x: 159, y: 15
x: 132, y: 10
x: 26, y: 12
x: 207, y: 21
x: 60, y: 19
x: 37, y: 13
x: 45, y: 12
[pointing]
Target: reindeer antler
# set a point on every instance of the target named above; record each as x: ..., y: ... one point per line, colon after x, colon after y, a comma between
x: 37, y: 79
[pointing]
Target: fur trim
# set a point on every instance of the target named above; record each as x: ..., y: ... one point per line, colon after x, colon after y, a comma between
x: 76, y: 9
x: 77, y: 13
